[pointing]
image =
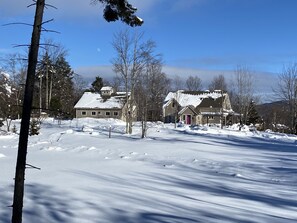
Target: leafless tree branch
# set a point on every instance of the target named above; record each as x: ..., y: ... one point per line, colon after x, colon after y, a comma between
x: 33, y: 167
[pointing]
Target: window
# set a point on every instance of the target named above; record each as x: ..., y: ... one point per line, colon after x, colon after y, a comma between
x: 211, y: 117
x: 107, y: 113
x: 83, y: 113
x: 184, y: 117
x: 115, y: 113
x: 93, y: 113
x: 173, y: 104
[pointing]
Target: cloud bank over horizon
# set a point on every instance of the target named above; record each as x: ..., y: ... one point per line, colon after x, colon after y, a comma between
x: 264, y: 82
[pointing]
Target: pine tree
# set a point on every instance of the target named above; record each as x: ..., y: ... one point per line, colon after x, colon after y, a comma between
x: 34, y: 127
x: 14, y: 129
x: 57, y: 87
x: 62, y: 86
x: 97, y: 84
x: 252, y: 115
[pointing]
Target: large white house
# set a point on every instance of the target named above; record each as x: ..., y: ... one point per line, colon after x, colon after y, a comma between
x: 106, y: 104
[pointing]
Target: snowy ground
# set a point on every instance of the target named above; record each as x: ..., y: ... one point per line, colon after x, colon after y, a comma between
x: 174, y: 175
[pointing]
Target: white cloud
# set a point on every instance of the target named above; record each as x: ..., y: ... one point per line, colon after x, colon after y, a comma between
x: 90, y: 72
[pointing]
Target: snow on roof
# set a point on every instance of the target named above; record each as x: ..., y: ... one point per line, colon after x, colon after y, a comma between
x: 91, y: 100
x: 186, y: 98
x: 106, y: 88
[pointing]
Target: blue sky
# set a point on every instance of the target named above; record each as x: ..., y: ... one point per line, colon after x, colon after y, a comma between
x: 200, y: 37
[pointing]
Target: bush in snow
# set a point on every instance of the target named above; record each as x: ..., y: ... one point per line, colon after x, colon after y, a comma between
x: 34, y: 127
x: 14, y: 129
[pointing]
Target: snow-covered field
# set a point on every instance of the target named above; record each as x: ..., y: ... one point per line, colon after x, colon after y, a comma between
x: 174, y: 175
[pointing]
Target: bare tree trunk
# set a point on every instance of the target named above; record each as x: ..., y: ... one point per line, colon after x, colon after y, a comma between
x: 46, y: 82
x: 50, y: 90
x: 27, y: 106
x: 40, y: 95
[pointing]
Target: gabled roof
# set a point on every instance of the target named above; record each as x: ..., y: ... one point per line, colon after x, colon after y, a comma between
x: 191, y: 107
x: 194, y: 98
x: 91, y: 100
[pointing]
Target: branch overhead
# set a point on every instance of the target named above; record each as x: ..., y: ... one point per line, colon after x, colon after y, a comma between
x: 120, y: 10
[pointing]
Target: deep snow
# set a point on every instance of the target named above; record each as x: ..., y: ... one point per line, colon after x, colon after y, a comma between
x: 174, y: 175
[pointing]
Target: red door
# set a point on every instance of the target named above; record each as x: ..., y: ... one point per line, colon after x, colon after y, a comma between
x: 189, y: 119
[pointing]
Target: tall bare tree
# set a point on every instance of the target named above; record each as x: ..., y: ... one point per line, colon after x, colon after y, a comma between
x: 129, y: 63
x: 152, y: 87
x: 194, y: 83
x: 287, y: 92
x: 177, y: 83
x: 218, y: 83
x: 242, y: 91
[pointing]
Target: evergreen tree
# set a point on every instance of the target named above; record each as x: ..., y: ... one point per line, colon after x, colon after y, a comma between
x: 120, y: 10
x: 252, y: 115
x: 97, y: 84
x: 34, y: 127
x: 57, y: 88
x: 62, y: 85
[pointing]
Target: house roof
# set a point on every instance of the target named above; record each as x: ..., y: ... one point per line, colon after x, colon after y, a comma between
x: 91, y: 100
x: 214, y: 102
x: 186, y: 98
x: 106, y: 88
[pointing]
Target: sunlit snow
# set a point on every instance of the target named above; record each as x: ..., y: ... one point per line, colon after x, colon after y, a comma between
x: 201, y: 174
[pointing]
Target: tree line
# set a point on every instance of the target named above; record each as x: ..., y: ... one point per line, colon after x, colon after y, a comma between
x: 139, y: 70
